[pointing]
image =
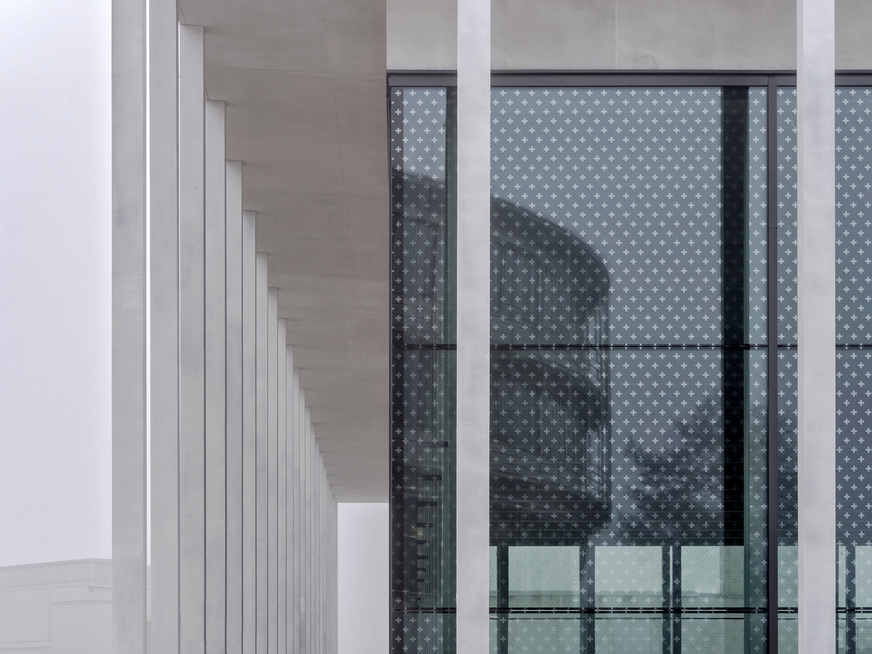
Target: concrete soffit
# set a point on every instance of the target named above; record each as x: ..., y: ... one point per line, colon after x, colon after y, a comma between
x: 303, y: 84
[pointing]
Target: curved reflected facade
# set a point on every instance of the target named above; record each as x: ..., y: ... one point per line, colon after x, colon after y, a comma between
x: 549, y: 415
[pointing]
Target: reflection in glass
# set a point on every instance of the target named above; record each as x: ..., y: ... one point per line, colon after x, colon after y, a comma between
x: 628, y: 370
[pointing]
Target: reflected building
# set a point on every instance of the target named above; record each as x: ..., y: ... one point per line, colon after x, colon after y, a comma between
x: 549, y: 415
x: 628, y: 430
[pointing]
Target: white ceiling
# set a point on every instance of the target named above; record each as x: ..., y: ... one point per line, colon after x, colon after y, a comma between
x: 304, y: 83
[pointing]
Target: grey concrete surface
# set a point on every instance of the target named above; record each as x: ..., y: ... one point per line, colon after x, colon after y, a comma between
x: 235, y: 420
x: 281, y: 491
x: 215, y: 266
x: 473, y: 325
x: 262, y: 455
x: 164, y: 271
x: 129, y: 325
x: 272, y: 498
x: 816, y: 321
x: 192, y: 330
x: 624, y: 35
x: 249, y: 433
x: 306, y: 114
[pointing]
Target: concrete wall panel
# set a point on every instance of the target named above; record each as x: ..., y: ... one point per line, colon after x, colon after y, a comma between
x: 624, y: 35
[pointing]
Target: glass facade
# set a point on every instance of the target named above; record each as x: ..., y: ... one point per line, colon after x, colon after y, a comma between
x: 643, y: 368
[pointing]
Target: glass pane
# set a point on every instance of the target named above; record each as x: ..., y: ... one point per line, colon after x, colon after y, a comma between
x: 854, y: 363
x: 423, y: 480
x: 854, y: 215
x: 785, y: 123
x: 628, y: 396
x: 722, y: 635
x: 424, y: 633
x: 544, y: 576
x: 616, y: 635
x: 787, y: 510
x: 423, y: 372
x: 423, y: 248
x: 617, y: 195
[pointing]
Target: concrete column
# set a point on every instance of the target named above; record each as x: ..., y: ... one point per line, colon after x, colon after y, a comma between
x: 319, y: 545
x: 164, y: 323
x: 249, y: 434
x: 192, y: 450
x: 282, y: 459
x: 272, y: 472
x: 322, y: 555
x: 262, y: 410
x: 234, y: 408
x: 816, y: 288
x: 473, y: 324
x: 216, y: 381
x: 296, y: 532
x: 307, y: 561
x: 334, y: 567
x: 128, y: 326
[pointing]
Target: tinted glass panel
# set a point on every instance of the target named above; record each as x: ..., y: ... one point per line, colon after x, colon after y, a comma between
x: 628, y: 369
x: 423, y: 373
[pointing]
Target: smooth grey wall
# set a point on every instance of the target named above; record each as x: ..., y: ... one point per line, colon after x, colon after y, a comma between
x: 624, y: 34
x: 363, y: 578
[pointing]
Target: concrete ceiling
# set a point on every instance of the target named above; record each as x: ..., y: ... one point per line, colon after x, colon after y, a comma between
x: 304, y: 83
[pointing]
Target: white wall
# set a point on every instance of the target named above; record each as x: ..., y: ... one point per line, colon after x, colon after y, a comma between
x: 363, y: 578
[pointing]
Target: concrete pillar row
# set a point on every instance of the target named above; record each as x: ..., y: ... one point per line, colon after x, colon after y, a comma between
x: 192, y: 343
x: 249, y: 435
x: 272, y: 473
x: 234, y: 414
x: 281, y: 491
x: 164, y: 365
x: 216, y: 378
x: 243, y: 517
x: 262, y: 454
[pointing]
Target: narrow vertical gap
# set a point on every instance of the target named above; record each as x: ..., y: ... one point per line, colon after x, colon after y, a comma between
x: 734, y: 236
x: 398, y: 541
x: 676, y: 599
x: 666, y: 602
x: 850, y: 599
x: 502, y: 599
x: 587, y: 598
